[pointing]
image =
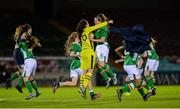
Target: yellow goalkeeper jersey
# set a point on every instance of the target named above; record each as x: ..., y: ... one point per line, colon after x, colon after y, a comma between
x: 86, y: 43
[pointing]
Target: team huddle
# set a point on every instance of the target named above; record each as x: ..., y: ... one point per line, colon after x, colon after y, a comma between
x: 80, y: 46
x: 137, y: 53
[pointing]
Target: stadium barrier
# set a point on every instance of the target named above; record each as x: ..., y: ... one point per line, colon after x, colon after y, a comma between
x: 57, y: 68
x: 50, y: 68
x: 162, y: 77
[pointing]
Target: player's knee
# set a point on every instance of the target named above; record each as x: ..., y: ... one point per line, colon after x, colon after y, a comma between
x: 137, y: 79
x: 137, y: 76
x: 152, y: 74
x: 18, y: 73
x: 146, y: 73
x: 74, y: 81
x: 31, y: 78
x: 127, y: 79
x: 90, y: 71
x: 138, y: 82
x: 101, y: 64
x: 26, y: 79
x: 21, y: 69
x: 32, y: 81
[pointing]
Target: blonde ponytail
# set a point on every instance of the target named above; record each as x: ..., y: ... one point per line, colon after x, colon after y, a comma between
x: 69, y: 42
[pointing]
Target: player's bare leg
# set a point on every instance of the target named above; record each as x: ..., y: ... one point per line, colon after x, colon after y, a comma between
x: 73, y: 82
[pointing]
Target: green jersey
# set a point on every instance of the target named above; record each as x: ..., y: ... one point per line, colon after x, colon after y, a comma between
x: 152, y: 54
x: 27, y: 53
x: 75, y: 62
x: 102, y: 32
x: 131, y: 60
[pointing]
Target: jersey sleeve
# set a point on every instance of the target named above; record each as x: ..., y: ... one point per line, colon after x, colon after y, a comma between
x: 23, y: 46
x: 95, y: 27
x: 75, y: 48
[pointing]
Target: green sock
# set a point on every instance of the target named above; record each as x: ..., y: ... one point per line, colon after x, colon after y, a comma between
x: 129, y: 86
x: 126, y: 88
x: 150, y: 81
x: 29, y: 86
x: 13, y: 76
x: 141, y: 91
x: 109, y: 71
x: 103, y: 73
x: 146, y: 85
x: 20, y: 81
x: 35, y: 86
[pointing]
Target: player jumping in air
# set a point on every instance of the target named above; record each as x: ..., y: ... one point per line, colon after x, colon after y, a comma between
x: 120, y: 52
x: 88, y: 55
x: 140, y: 66
x: 18, y: 57
x: 151, y: 66
x: 136, y: 42
x: 102, y: 50
x: 30, y: 63
x: 73, y: 49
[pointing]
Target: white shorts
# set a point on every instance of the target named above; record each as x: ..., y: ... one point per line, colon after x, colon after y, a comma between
x: 151, y: 65
x: 30, y: 66
x: 140, y: 71
x: 76, y: 72
x: 102, y: 52
x: 132, y: 71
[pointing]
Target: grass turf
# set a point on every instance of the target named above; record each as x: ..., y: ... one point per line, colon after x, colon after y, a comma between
x: 68, y: 97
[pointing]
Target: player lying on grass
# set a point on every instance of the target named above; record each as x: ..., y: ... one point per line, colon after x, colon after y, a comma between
x: 73, y: 49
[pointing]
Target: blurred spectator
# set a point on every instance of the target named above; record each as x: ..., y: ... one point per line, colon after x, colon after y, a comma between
x: 43, y: 65
x: 48, y: 66
x: 4, y: 75
x: 174, y: 59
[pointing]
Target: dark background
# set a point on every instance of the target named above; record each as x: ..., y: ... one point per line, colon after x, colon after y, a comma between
x: 53, y: 20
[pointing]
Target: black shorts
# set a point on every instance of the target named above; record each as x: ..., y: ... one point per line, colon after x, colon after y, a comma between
x: 18, y: 57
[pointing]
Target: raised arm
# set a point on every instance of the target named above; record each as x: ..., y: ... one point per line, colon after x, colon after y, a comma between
x: 118, y: 51
x: 100, y: 25
x: 119, y: 48
x: 101, y: 40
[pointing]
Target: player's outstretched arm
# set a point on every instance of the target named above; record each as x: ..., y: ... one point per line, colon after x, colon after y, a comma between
x: 100, y: 25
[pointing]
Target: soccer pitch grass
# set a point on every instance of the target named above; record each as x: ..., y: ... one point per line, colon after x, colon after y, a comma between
x: 68, y: 97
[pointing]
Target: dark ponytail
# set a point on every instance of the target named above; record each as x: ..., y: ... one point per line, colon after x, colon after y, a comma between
x: 81, y: 25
